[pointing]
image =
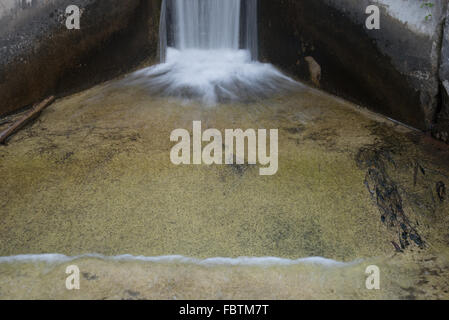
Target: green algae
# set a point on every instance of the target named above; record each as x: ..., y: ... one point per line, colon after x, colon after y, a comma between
x: 93, y: 174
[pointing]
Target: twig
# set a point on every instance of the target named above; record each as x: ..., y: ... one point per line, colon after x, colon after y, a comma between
x: 24, y: 120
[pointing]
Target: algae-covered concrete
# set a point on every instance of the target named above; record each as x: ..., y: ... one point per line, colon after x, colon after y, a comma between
x: 441, y: 128
x: 93, y: 175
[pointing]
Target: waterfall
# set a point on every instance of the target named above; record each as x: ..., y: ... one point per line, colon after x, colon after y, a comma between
x: 250, y: 35
x: 209, y: 25
x: 209, y: 51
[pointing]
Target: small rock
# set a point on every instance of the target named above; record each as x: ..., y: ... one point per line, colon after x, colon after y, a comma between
x: 314, y: 70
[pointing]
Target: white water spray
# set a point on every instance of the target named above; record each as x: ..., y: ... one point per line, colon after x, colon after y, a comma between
x: 208, y: 51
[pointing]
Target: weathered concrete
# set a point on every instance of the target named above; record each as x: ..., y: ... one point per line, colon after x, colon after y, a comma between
x: 441, y: 128
x: 40, y: 56
x: 444, y: 70
x: 393, y: 70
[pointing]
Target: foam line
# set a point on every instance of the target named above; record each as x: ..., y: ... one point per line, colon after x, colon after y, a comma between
x: 217, y: 261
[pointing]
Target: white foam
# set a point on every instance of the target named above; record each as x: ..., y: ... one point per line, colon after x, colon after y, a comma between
x: 217, y: 261
x: 200, y: 56
x: 212, y: 76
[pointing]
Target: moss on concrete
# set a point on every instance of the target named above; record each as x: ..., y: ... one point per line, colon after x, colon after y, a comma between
x: 93, y: 174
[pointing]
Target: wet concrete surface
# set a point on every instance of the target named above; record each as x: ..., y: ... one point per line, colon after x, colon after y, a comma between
x: 93, y: 175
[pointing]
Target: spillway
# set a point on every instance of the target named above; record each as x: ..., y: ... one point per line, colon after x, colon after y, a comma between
x: 208, y: 52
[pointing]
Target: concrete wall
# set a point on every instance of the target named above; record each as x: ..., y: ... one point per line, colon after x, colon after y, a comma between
x: 441, y: 128
x: 393, y: 70
x: 39, y: 56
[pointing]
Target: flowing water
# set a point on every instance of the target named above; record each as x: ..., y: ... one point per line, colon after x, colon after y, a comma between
x: 209, y: 25
x: 208, y: 52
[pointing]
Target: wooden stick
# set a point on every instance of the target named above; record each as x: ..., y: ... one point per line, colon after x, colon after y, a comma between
x: 22, y: 121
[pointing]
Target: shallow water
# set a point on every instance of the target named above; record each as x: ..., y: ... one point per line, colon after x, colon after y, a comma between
x: 402, y: 277
x: 93, y: 175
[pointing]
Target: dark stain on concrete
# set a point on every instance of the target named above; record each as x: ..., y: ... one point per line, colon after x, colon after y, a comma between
x: 379, y: 160
x: 385, y: 192
x: 441, y: 190
x: 89, y: 277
